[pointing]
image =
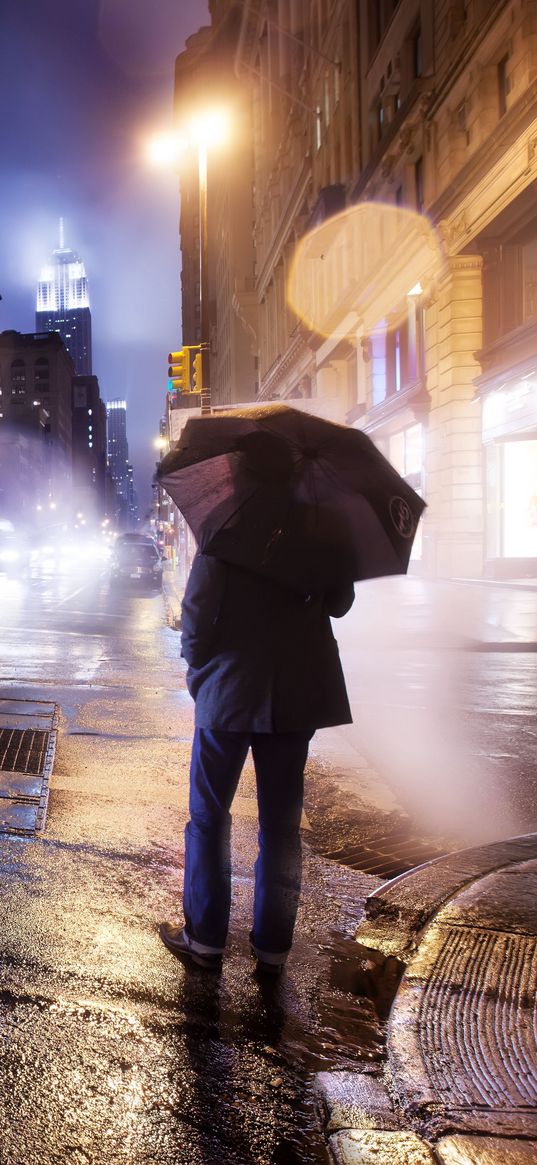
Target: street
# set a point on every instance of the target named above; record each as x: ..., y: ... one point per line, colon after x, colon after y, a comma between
x: 110, y: 1050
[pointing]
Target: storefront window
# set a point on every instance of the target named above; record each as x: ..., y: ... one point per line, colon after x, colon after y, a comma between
x: 405, y: 451
x: 519, y: 510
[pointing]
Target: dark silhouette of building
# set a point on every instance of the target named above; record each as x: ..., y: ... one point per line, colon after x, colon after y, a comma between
x: 89, y: 448
x: 36, y: 373
x: 119, y: 464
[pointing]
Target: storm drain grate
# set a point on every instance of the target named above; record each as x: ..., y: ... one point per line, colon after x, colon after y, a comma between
x: 386, y: 855
x: 23, y: 750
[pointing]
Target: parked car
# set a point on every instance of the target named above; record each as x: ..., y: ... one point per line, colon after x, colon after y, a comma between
x: 137, y: 561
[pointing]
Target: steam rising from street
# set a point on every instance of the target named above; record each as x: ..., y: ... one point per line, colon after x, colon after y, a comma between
x: 414, y: 660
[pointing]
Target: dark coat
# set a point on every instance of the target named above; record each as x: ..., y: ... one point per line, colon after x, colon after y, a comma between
x: 261, y: 658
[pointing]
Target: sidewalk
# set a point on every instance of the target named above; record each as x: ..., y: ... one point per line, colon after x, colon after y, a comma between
x: 460, y: 1083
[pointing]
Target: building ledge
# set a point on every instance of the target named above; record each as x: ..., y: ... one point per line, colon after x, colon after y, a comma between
x: 413, y: 398
x: 510, y: 357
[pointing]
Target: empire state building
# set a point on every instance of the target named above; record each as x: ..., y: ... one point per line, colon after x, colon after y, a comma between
x: 63, y: 305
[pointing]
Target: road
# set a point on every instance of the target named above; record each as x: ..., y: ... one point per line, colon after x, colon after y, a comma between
x: 110, y: 1051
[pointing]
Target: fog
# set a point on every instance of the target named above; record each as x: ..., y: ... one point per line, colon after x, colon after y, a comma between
x: 410, y: 651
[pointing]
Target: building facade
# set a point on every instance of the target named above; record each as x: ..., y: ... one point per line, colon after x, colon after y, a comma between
x: 35, y: 396
x: 429, y: 106
x: 205, y: 78
x: 63, y: 305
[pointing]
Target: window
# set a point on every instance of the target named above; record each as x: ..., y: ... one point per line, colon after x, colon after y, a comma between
x: 18, y: 378
x: 417, y: 59
x: 503, y: 85
x: 41, y: 374
x: 318, y: 128
x: 529, y: 281
x: 396, y: 353
x: 379, y: 16
x: 418, y: 184
x: 337, y: 83
x: 326, y: 98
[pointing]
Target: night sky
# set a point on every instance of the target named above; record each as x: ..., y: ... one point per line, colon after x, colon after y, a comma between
x: 83, y: 84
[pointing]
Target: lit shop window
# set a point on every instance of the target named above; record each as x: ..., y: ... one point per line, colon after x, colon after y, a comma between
x: 519, y: 509
x: 405, y: 451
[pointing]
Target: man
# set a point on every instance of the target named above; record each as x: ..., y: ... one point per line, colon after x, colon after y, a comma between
x: 264, y: 672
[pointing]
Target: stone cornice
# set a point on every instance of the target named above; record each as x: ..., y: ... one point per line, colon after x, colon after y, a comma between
x: 411, y: 404
x: 285, y: 226
x: 492, y: 153
x: 298, y: 348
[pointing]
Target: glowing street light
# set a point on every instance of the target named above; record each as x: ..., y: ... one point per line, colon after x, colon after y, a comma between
x: 205, y: 130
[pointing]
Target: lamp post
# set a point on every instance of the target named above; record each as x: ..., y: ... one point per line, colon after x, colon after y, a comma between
x: 204, y: 281
x: 208, y: 129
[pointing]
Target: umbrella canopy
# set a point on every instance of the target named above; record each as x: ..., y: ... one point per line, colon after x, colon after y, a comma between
x: 307, y: 502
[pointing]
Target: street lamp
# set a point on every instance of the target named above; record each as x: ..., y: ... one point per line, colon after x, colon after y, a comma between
x: 206, y: 130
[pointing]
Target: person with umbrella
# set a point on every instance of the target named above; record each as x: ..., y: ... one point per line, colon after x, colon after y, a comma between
x: 288, y: 510
x: 264, y: 672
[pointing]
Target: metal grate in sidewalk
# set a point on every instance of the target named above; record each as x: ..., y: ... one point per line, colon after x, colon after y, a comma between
x: 385, y: 854
x: 23, y: 750
x: 28, y: 732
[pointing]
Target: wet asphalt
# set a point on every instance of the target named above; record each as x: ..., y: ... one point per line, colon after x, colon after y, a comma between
x: 110, y: 1051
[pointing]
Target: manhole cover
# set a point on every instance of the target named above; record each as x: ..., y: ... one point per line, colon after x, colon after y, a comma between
x: 23, y: 750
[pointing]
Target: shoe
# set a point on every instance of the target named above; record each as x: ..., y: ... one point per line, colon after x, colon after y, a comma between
x: 178, y: 942
x: 264, y: 967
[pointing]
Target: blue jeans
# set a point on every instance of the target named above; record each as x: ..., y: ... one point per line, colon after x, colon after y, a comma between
x: 216, y: 765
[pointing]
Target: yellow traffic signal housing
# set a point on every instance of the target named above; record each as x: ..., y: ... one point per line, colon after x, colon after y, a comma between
x: 198, y: 373
x: 179, y: 371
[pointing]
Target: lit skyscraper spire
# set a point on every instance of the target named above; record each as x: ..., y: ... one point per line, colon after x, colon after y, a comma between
x: 63, y: 304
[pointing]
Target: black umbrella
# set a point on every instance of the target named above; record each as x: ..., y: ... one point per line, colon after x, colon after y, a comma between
x: 307, y: 502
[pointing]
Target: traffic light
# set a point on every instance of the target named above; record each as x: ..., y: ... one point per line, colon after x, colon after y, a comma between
x: 198, y: 373
x: 179, y: 371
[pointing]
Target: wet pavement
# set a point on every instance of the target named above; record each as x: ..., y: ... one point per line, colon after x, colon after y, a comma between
x: 110, y: 1051
x: 460, y: 1082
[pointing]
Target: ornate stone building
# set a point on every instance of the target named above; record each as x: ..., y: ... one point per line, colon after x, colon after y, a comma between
x: 429, y: 105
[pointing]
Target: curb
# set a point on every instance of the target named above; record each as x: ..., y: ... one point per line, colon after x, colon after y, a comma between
x: 397, y: 911
x: 172, y: 601
x: 459, y: 1085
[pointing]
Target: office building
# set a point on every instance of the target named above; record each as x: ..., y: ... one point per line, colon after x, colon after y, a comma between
x: 89, y: 449
x: 63, y: 304
x: 118, y: 463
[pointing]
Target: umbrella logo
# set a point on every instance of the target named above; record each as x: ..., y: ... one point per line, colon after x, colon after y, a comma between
x: 402, y: 518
